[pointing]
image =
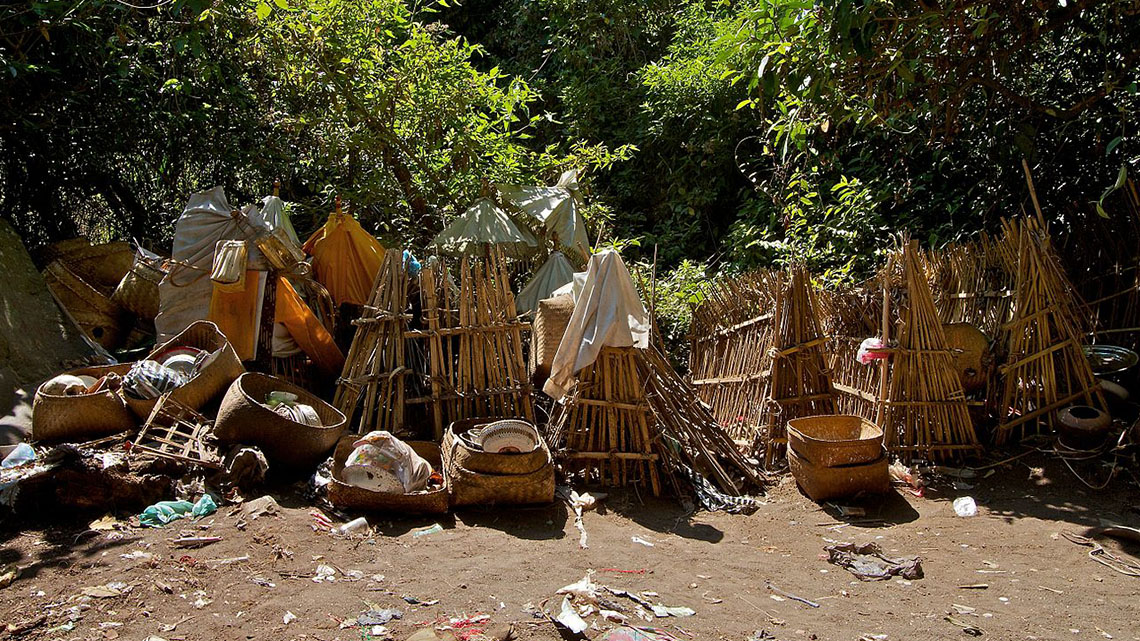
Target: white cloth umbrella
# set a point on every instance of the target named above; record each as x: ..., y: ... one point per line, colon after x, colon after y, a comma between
x: 273, y: 214
x: 554, y: 273
x: 485, y: 224
x: 557, y: 208
x: 608, y: 313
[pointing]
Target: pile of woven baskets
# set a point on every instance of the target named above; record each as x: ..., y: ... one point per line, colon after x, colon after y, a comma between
x: 836, y: 456
x: 479, y: 477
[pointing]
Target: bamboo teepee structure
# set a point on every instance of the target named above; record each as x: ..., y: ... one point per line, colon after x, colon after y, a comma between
x: 1046, y: 367
x: 375, y: 368
x: 923, y: 412
x: 474, y: 342
x: 799, y: 383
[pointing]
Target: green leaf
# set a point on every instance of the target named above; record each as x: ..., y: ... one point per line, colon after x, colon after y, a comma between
x: 742, y: 104
x: 263, y: 10
x: 282, y: 4
x: 1112, y: 145
x: 1121, y: 176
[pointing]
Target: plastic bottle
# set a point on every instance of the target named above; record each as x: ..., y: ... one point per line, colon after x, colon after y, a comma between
x: 23, y: 453
x: 354, y: 525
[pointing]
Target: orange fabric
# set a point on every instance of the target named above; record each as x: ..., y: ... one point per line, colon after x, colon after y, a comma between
x: 345, y: 259
x: 312, y: 337
x: 237, y: 313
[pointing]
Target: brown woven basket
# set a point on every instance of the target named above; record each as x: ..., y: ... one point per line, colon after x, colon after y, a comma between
x: 823, y: 483
x: 96, y: 314
x: 83, y: 417
x: 243, y: 419
x: 485, y: 462
x: 138, y: 291
x: 348, y: 496
x: 550, y: 323
x: 831, y: 440
x: 101, y: 265
x: 211, y: 382
x: 476, y: 488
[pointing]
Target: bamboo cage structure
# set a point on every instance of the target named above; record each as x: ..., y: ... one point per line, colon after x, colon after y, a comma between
x: 799, y: 382
x: 474, y: 342
x: 973, y: 283
x: 606, y: 427
x: 1046, y: 368
x: 923, y: 411
x: 375, y: 368
x: 850, y: 315
x: 728, y: 361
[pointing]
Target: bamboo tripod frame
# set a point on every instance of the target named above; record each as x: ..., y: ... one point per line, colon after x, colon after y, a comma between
x: 923, y: 411
x: 850, y: 315
x: 1046, y: 367
x: 474, y: 343
x: 799, y: 383
x: 607, y: 427
x: 375, y: 368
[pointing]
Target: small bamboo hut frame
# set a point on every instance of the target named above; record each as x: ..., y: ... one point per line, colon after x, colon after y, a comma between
x: 923, y: 409
x: 474, y: 343
x: 375, y: 368
x: 799, y: 382
x: 850, y: 315
x: 1046, y: 368
x: 606, y: 425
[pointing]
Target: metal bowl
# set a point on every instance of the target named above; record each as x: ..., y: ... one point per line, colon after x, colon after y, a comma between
x: 1106, y: 360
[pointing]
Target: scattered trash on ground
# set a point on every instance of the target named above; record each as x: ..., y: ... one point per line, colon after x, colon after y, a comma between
x: 965, y: 506
x: 867, y: 562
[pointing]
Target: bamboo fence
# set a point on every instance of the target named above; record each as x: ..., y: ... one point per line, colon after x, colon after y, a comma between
x: 849, y: 316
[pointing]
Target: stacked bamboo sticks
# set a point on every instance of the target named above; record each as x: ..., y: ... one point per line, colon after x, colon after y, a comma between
x: 973, y: 282
x: 375, y: 367
x: 1046, y: 367
x: 799, y: 382
x: 607, y: 426
x: 474, y: 342
x: 727, y: 359
x: 923, y: 411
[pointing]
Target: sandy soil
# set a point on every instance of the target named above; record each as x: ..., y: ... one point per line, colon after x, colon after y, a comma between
x: 494, y: 562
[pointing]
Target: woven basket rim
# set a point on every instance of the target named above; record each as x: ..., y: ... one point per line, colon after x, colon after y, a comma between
x: 280, y: 384
x: 85, y: 371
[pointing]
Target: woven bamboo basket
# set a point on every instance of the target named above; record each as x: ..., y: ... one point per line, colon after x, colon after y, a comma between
x: 348, y: 496
x: 476, y: 488
x: 550, y: 323
x: 243, y: 418
x: 486, y: 462
x: 834, y: 440
x: 823, y: 483
x: 79, y: 418
x: 98, y: 316
x: 101, y: 265
x: 211, y: 382
x: 137, y: 292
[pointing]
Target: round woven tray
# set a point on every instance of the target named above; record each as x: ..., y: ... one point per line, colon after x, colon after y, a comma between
x: 348, y: 496
x: 80, y: 418
x: 210, y: 383
x: 486, y: 462
x: 243, y: 419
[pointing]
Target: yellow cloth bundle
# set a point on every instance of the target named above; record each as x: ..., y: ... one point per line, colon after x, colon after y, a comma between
x: 345, y: 259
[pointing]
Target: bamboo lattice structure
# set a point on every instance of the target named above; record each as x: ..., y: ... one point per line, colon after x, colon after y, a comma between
x: 799, y: 382
x: 850, y: 315
x: 973, y: 283
x: 375, y: 368
x: 728, y: 359
x: 923, y: 412
x: 1046, y: 367
x: 474, y: 343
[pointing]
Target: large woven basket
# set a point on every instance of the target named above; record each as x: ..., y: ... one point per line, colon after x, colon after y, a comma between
x: 831, y: 440
x: 823, y: 483
x: 486, y: 462
x: 101, y: 265
x: 348, y: 496
x: 138, y: 291
x: 469, y: 487
x: 550, y: 323
x: 80, y: 418
x: 243, y: 418
x: 211, y: 382
x: 96, y: 314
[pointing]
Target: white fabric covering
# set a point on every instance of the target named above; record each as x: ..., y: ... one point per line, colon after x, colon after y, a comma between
x: 484, y: 223
x: 557, y: 208
x: 554, y: 273
x: 607, y: 313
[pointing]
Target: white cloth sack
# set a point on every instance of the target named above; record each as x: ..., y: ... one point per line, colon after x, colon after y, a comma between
x: 607, y: 314
x: 554, y: 273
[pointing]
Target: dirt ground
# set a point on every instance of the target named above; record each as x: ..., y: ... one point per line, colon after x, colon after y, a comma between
x: 495, y: 562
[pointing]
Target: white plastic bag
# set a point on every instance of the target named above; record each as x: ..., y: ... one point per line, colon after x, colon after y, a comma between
x: 383, y: 463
